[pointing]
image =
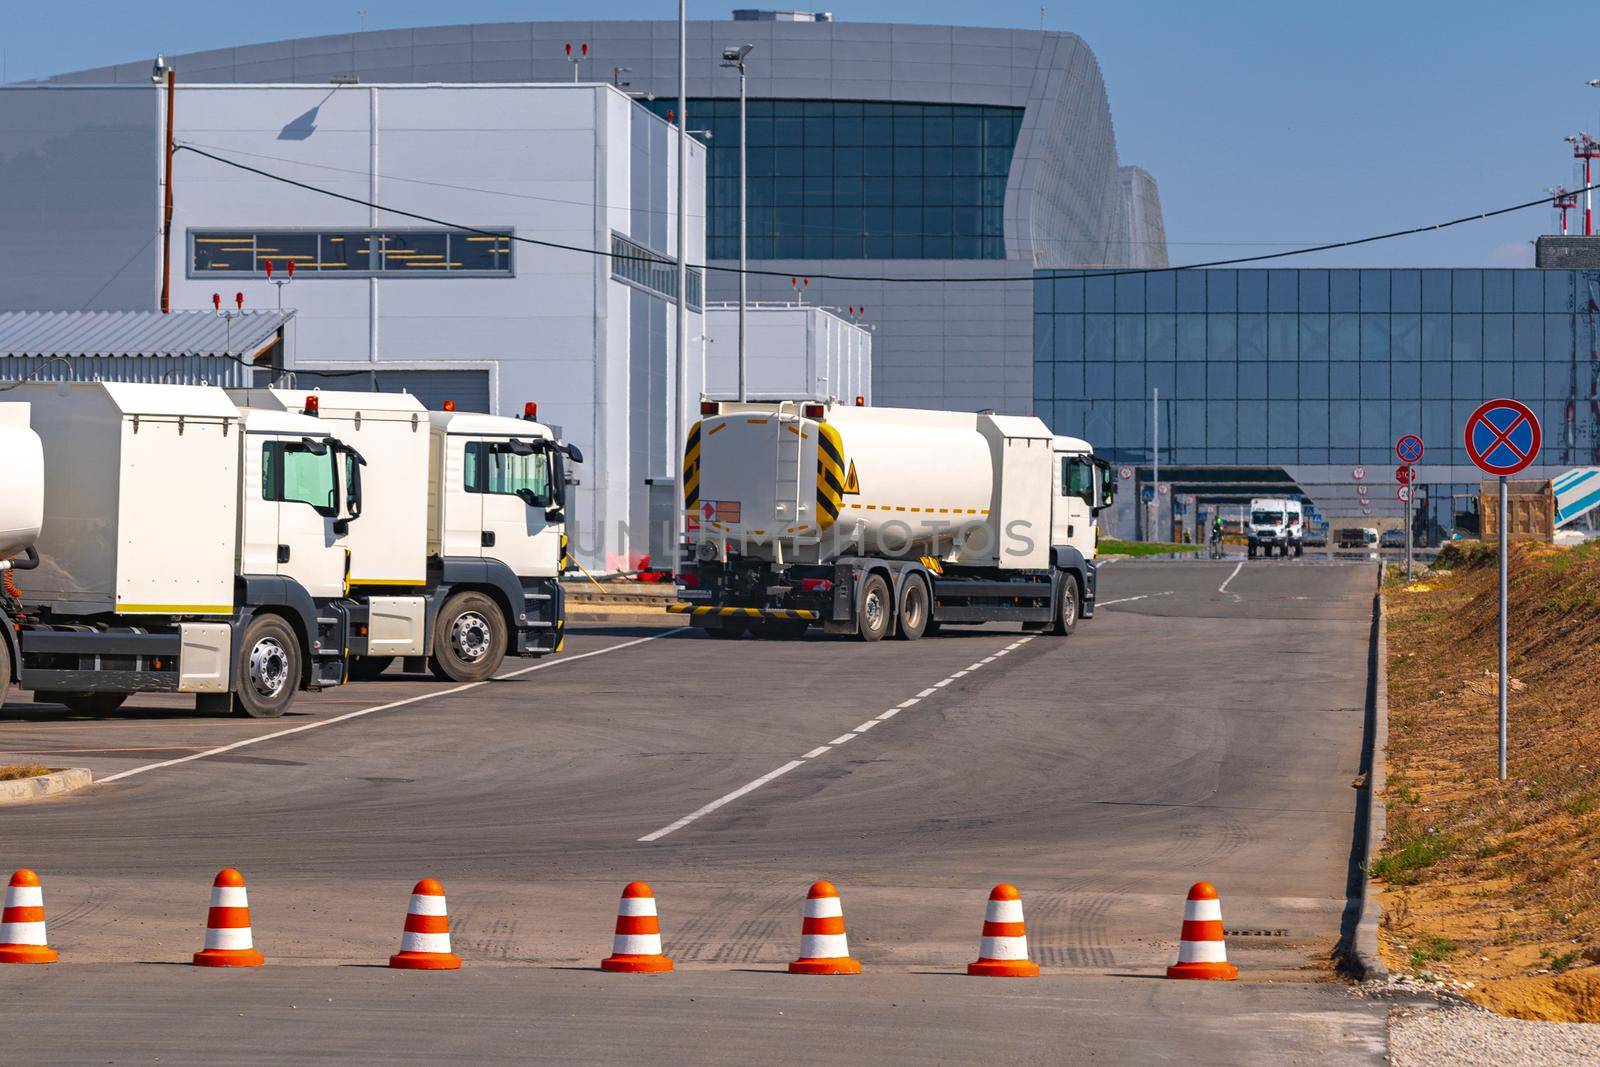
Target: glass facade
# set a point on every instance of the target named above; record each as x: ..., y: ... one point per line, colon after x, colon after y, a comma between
x: 1284, y: 367
x: 351, y: 252
x: 837, y: 179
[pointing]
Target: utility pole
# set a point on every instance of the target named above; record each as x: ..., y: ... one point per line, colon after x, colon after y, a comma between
x: 161, y: 72
x: 1155, y: 462
x: 734, y: 57
x: 681, y: 367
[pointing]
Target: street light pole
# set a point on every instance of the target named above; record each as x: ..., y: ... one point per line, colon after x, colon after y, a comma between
x: 1155, y: 461
x: 734, y: 57
x: 681, y: 365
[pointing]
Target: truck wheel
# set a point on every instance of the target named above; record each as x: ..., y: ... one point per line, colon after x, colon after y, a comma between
x: 913, y: 613
x: 91, y: 703
x: 1250, y: 553
x: 469, y: 641
x: 1066, y: 607
x: 366, y: 668
x: 875, y: 608
x: 267, y: 671
x: 1299, y: 550
x: 5, y: 670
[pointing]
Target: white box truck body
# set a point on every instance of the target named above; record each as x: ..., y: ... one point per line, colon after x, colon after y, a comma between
x: 879, y: 521
x: 184, y: 546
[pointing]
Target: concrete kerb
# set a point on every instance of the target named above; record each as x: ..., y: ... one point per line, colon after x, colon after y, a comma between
x: 21, y: 790
x: 1360, y: 949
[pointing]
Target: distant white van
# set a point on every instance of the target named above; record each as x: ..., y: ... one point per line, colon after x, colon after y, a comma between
x: 1276, y: 523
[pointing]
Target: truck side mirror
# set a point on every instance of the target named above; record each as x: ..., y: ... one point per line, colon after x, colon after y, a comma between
x: 574, y: 454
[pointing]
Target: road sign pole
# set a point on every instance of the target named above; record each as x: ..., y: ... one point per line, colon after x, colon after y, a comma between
x: 1410, y: 520
x: 1503, y: 679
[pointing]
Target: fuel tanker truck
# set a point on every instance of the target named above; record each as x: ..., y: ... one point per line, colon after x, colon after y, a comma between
x: 885, y: 522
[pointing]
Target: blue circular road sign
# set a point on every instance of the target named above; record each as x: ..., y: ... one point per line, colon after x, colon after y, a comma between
x: 1502, y: 437
x: 1408, y: 448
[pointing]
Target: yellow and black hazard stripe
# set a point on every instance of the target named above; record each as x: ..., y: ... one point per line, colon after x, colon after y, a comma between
x: 830, y: 475
x: 745, y: 613
x: 691, y: 469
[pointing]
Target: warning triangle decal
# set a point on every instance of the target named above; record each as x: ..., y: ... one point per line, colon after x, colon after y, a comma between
x: 852, y: 484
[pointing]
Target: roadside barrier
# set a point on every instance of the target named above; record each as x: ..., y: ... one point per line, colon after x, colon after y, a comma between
x: 228, y: 939
x: 1003, y: 949
x: 425, y: 944
x: 823, y: 946
x: 22, y: 936
x: 1202, y: 951
x: 636, y: 946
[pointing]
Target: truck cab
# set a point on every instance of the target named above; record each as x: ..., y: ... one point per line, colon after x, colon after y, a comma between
x: 1085, y: 487
x: 1275, y: 523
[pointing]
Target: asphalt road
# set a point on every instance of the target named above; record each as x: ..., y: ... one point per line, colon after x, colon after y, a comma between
x: 1207, y: 724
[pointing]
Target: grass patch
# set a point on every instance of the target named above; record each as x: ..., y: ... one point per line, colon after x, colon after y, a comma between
x: 1112, y: 547
x: 1411, y: 851
x: 1432, y: 948
x: 10, y: 772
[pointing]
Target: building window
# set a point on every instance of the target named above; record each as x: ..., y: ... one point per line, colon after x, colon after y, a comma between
x: 841, y: 179
x: 335, y: 253
x: 653, y: 272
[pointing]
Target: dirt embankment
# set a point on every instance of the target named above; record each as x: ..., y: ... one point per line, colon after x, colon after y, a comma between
x: 1492, y: 883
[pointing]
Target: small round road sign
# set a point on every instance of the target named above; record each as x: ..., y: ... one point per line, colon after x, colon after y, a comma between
x: 1405, y: 475
x: 1358, y: 473
x: 1125, y: 473
x: 1502, y: 437
x: 1163, y: 488
x: 1408, y: 448
x: 1402, y: 493
x: 1362, y: 489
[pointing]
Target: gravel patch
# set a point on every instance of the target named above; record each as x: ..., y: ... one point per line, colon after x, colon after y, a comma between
x: 1432, y: 1037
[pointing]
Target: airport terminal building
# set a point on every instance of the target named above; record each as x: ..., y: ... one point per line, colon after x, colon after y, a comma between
x: 1276, y: 380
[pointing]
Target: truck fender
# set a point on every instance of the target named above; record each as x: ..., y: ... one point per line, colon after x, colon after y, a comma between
x: 1069, y: 560
x: 288, y: 598
x: 491, y: 576
x: 15, y: 658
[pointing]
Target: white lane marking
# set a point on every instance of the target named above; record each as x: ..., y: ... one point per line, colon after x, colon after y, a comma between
x: 1130, y: 599
x: 817, y: 752
x: 962, y: 674
x: 717, y: 803
x: 347, y: 716
x: 975, y: 666
x: 987, y: 659
x: 1223, y: 588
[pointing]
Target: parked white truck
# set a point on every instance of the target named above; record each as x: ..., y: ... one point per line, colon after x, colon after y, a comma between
x: 457, y: 559
x: 886, y: 521
x: 183, y: 547
x: 1276, y: 523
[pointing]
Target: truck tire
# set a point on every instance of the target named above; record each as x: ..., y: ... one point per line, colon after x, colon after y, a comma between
x: 267, y: 670
x: 913, y: 611
x: 5, y: 666
x: 366, y: 668
x: 875, y: 608
x: 1299, y: 550
x: 469, y: 641
x: 91, y: 703
x: 1250, y: 553
x: 1066, y: 607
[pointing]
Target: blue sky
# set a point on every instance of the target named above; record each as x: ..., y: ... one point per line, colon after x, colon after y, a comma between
x: 1266, y: 124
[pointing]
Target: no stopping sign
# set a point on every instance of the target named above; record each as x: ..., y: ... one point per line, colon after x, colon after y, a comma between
x: 1502, y: 437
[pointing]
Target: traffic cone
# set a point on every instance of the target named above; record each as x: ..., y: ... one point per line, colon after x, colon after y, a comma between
x: 425, y: 945
x: 228, y: 942
x: 1003, y: 950
x: 823, y: 946
x: 1202, y: 952
x: 22, y: 938
x: 636, y: 947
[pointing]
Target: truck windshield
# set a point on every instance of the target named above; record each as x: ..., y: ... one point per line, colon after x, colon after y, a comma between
x: 496, y: 467
x: 294, y: 473
x: 1077, y: 479
x: 1266, y: 518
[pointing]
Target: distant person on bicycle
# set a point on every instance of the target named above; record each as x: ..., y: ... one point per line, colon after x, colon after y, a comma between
x: 1216, y: 535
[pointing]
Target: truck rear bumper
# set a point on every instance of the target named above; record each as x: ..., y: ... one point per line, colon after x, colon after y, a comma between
x: 701, y: 611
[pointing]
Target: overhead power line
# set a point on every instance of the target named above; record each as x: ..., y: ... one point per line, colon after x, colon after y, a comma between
x: 1069, y: 272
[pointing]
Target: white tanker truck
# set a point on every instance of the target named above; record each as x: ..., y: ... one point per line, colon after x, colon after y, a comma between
x: 885, y: 521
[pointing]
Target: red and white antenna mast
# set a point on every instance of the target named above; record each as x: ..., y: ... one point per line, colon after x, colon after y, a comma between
x: 1564, y: 202
x: 1587, y: 149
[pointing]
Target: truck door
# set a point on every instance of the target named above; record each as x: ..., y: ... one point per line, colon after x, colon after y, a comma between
x: 512, y: 478
x: 1070, y: 522
x: 300, y: 475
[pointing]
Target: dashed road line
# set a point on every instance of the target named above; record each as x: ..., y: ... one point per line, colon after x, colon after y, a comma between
x: 1131, y: 599
x: 347, y: 716
x: 822, y: 750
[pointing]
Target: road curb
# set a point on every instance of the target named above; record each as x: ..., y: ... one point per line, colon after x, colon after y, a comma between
x: 22, y: 790
x: 1361, y: 957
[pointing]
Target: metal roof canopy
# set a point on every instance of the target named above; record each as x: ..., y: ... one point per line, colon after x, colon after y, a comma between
x: 245, y: 335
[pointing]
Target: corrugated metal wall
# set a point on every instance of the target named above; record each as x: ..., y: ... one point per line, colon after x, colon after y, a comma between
x: 167, y: 370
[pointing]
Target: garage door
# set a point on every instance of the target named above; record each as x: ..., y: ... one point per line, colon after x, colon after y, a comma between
x: 468, y: 388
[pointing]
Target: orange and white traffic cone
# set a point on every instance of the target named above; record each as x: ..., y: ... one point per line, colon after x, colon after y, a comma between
x: 636, y: 947
x: 22, y: 936
x: 1003, y: 949
x: 824, y: 949
x: 1202, y: 951
x: 228, y: 940
x: 425, y: 945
